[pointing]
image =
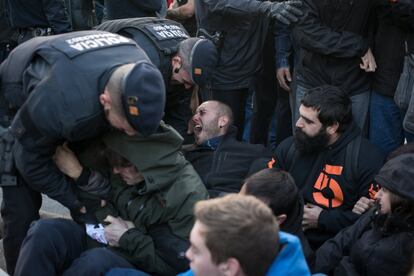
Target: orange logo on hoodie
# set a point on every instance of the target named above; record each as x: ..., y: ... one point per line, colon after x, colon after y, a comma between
x: 325, y: 181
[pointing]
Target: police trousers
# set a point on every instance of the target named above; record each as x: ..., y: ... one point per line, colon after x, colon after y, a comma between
x: 20, y: 207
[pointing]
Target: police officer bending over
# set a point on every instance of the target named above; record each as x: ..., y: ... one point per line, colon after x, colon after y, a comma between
x: 183, y: 61
x: 68, y: 87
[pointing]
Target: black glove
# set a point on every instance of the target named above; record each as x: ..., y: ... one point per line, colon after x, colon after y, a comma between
x: 286, y: 12
x: 93, y: 182
x: 81, y: 218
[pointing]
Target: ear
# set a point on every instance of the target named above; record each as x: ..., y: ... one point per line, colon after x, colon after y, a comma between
x: 332, y: 129
x: 105, y: 99
x: 281, y: 218
x: 223, y: 121
x: 231, y: 267
x: 176, y: 62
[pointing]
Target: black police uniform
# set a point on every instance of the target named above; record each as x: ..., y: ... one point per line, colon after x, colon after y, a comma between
x: 38, y: 17
x: 56, y: 74
x: 159, y: 38
x: 7, y: 39
x: 240, y: 32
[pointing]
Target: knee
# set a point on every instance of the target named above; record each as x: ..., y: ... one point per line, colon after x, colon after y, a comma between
x: 97, y: 261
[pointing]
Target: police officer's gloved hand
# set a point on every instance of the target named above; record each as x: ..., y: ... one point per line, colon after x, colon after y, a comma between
x: 93, y: 182
x: 286, y: 12
x: 81, y: 215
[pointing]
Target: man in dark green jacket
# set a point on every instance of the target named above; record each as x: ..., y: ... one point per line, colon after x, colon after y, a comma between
x: 148, y: 214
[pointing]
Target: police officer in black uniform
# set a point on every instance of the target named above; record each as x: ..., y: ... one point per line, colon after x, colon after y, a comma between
x: 38, y: 18
x: 239, y: 29
x: 183, y: 61
x: 68, y: 87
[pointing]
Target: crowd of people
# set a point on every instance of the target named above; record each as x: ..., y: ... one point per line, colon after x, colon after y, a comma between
x: 208, y: 137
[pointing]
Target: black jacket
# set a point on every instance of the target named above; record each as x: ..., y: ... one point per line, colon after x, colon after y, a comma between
x: 364, y: 249
x: 224, y: 169
x: 395, y: 32
x: 312, y: 171
x: 333, y: 36
x: 37, y: 13
x: 244, y: 27
x: 62, y: 84
x: 117, y: 9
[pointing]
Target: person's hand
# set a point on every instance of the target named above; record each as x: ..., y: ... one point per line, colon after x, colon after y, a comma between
x: 310, y: 216
x: 368, y: 63
x: 286, y: 12
x: 362, y: 205
x: 284, y: 78
x: 67, y: 162
x: 116, y: 228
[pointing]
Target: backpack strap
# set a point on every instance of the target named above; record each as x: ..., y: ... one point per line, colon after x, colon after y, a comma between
x: 291, y: 156
x: 352, y: 158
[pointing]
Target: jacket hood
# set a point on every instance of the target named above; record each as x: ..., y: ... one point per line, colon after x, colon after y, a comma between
x: 397, y: 175
x: 154, y: 156
x: 290, y: 260
x: 345, y: 138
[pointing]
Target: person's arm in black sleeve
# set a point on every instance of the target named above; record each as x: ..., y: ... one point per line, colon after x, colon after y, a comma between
x: 311, y: 34
x: 55, y: 13
x: 330, y: 254
x: 403, y: 12
x: 39, y: 171
x: 285, y: 12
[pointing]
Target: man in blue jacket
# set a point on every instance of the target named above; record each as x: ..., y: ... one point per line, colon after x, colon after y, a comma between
x: 239, y: 235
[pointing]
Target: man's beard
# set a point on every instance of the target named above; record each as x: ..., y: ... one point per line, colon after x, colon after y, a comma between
x: 307, y: 145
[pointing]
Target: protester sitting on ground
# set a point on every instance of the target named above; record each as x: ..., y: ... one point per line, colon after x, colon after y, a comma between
x: 365, y: 203
x: 149, y: 213
x: 381, y: 242
x: 238, y: 235
x: 278, y: 190
x: 331, y: 163
x: 221, y: 160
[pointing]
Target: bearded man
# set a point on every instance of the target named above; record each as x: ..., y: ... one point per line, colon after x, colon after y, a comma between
x: 221, y: 161
x: 331, y: 163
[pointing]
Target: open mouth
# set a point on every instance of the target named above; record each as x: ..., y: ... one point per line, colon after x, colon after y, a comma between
x: 198, y: 128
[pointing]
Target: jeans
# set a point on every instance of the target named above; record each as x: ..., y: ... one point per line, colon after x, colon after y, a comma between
x: 59, y: 247
x: 386, y: 130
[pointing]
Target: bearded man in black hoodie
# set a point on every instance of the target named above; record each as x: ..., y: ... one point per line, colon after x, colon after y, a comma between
x: 332, y: 165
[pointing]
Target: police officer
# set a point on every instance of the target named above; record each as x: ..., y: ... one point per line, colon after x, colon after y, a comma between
x: 38, y: 18
x: 69, y: 87
x: 183, y: 61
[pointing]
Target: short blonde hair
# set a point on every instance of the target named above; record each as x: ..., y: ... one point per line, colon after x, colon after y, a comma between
x: 240, y: 227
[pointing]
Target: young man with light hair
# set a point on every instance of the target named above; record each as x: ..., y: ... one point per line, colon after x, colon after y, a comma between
x: 233, y: 235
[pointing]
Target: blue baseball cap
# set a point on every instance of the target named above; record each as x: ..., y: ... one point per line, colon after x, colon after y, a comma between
x: 143, y: 97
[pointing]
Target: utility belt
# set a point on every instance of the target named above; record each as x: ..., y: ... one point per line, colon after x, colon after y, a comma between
x: 30, y: 32
x: 7, y: 167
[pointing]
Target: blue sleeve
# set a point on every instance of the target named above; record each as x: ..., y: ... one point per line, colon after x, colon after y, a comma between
x: 283, y: 45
